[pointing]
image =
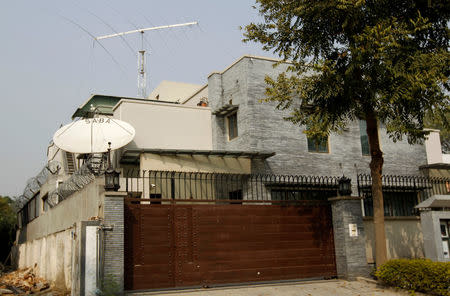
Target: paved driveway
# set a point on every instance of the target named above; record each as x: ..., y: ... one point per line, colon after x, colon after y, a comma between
x: 319, y: 288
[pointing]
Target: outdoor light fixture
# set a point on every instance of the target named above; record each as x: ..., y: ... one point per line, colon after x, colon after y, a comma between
x: 345, y: 186
x: 111, y: 175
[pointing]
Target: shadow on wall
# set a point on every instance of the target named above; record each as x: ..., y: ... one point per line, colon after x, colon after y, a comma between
x: 404, y: 238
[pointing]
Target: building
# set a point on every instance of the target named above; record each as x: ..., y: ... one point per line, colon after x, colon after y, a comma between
x: 223, y: 193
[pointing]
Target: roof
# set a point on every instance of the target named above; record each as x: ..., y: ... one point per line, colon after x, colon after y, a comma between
x: 133, y: 156
x: 105, y: 104
x: 436, y: 201
x: 436, y: 166
x: 225, y: 110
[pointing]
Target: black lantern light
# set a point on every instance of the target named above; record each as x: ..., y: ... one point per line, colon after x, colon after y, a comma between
x: 345, y: 186
x: 111, y: 175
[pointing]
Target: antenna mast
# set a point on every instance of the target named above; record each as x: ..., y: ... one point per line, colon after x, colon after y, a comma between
x: 142, y: 73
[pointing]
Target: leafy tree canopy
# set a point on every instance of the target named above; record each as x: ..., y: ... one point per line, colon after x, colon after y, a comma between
x: 7, y: 226
x: 352, y: 57
x: 383, y: 61
x: 442, y: 125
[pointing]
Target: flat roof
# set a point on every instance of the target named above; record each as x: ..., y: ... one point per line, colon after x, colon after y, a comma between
x: 436, y: 201
x: 132, y: 156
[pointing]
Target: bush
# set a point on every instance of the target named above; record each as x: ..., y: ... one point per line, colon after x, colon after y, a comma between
x: 420, y: 275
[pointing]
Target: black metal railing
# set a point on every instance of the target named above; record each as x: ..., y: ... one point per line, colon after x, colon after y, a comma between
x: 401, y: 193
x: 160, y: 186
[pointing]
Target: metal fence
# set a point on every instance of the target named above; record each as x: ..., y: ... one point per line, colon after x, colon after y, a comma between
x: 401, y: 193
x: 165, y: 186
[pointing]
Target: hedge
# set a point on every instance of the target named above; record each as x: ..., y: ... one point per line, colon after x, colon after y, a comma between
x: 419, y: 275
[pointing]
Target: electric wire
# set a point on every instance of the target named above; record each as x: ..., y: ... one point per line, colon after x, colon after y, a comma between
x: 133, y: 51
x: 93, y: 37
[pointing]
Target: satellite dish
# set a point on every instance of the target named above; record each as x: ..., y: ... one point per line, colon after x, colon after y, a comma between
x: 91, y: 135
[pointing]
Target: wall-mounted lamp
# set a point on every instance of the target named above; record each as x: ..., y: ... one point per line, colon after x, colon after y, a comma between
x: 345, y: 186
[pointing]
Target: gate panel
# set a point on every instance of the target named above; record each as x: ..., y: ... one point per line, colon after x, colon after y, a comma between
x: 259, y: 243
x: 149, y: 246
x: 191, y: 245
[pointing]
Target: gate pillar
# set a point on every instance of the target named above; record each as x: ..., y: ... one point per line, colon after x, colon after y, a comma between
x: 112, y: 242
x: 349, y: 237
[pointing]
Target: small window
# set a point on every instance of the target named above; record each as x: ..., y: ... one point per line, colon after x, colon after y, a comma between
x: 232, y: 126
x: 318, y: 145
x: 445, y: 238
x: 45, y: 204
x: 364, y: 138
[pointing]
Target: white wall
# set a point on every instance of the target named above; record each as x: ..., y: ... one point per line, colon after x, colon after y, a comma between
x: 166, y: 126
x: 433, y: 147
x: 173, y: 91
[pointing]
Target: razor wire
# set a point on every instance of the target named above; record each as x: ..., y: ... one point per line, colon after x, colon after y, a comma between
x: 34, y: 184
x: 93, y: 167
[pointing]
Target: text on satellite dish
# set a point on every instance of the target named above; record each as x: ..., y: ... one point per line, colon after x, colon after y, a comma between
x: 97, y: 120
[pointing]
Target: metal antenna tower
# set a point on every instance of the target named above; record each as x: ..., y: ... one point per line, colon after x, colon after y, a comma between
x: 142, y: 73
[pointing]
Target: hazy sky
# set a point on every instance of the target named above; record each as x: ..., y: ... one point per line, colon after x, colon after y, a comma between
x: 49, y: 65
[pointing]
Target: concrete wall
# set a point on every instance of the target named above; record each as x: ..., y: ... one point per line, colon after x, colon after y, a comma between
x: 195, y: 163
x: 166, y: 126
x: 195, y: 99
x: 261, y: 127
x: 51, y: 256
x: 173, y: 91
x: 404, y: 238
x: 52, y: 240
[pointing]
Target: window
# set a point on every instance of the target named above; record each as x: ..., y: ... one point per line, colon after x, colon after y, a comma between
x: 364, y: 138
x: 232, y: 126
x: 235, y: 195
x: 445, y: 238
x: 45, y: 203
x: 397, y: 202
x: 155, y: 195
x: 318, y: 145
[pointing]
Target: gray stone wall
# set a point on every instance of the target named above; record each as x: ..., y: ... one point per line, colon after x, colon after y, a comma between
x: 262, y: 128
x: 350, y: 250
x: 114, y: 238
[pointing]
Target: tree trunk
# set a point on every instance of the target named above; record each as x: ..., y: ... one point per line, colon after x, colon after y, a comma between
x: 376, y: 166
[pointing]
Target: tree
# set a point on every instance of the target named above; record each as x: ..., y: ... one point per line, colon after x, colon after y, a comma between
x: 7, y: 226
x: 383, y: 61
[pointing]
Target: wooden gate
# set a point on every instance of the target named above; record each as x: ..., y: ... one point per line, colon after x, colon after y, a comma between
x: 176, y: 245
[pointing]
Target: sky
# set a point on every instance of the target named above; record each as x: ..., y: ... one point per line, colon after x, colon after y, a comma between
x: 50, y: 64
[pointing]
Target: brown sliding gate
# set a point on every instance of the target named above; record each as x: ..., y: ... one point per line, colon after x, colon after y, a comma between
x: 199, y: 244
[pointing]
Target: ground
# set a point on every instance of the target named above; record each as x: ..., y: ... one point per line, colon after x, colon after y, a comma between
x: 318, y: 288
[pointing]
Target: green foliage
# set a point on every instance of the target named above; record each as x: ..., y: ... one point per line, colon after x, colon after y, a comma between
x: 7, y: 226
x: 352, y: 57
x: 418, y: 275
x: 440, y: 122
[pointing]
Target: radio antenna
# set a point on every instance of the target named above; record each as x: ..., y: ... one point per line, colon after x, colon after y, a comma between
x: 142, y: 73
